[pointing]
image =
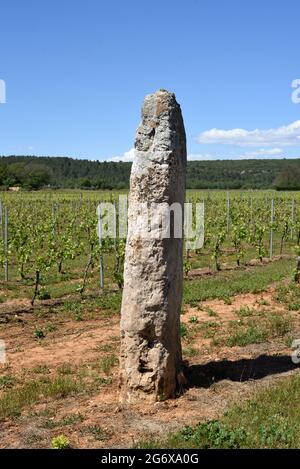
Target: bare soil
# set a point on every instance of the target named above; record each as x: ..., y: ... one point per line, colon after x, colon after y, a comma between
x: 218, y: 376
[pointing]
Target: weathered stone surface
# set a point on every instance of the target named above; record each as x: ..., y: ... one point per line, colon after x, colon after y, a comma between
x: 151, y: 359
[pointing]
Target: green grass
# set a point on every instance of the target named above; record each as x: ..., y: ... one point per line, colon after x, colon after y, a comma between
x: 271, y: 419
x: 250, y: 335
x: 65, y: 421
x: 289, y: 295
x: 39, y: 334
x: 65, y: 369
x: 92, y: 373
x: 100, y: 382
x: 228, y: 284
x: 107, y: 363
x: 110, y: 302
x: 183, y: 331
x: 209, y: 329
x: 190, y: 351
x: 7, y: 381
x: 41, y: 369
x: 211, y: 313
x: 104, y: 348
x: 244, y: 312
x: 106, y: 305
x: 267, y: 325
x: 97, y: 432
x: 278, y: 324
x: 13, y: 401
x: 193, y: 320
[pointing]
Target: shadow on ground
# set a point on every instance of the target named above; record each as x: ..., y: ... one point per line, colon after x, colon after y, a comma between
x: 240, y: 370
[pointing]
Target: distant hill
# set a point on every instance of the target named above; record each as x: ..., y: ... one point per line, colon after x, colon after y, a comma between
x: 34, y: 172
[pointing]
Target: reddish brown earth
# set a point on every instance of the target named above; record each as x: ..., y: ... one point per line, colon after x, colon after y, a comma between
x: 219, y: 376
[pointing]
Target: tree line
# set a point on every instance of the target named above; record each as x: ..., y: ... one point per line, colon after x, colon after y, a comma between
x: 32, y: 173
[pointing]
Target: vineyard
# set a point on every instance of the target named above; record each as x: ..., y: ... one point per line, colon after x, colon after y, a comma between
x: 149, y: 230
x: 60, y: 302
x: 50, y: 248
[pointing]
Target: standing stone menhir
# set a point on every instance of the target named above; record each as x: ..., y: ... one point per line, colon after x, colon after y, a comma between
x: 151, y: 358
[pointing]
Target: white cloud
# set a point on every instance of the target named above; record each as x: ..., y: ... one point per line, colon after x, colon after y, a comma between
x: 263, y: 153
x: 127, y: 156
x: 283, y: 136
x: 260, y: 153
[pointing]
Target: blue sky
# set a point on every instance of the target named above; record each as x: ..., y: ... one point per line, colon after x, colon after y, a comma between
x: 76, y: 73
